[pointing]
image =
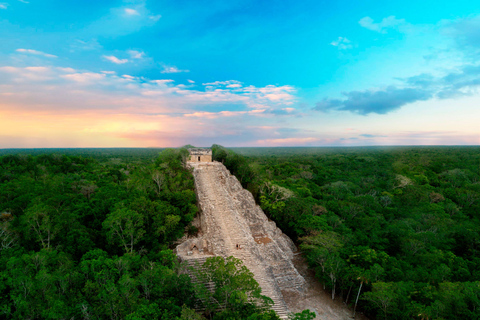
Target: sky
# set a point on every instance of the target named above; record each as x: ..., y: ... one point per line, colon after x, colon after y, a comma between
x: 239, y: 73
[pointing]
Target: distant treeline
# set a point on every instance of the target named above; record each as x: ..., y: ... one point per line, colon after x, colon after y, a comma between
x: 393, y: 229
x: 100, y: 154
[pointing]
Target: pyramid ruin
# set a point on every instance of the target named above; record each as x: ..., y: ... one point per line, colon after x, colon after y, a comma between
x: 232, y: 224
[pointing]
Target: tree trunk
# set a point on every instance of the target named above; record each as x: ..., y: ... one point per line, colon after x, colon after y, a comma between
x: 356, y: 301
x: 348, y: 294
x: 131, y: 244
x: 333, y: 291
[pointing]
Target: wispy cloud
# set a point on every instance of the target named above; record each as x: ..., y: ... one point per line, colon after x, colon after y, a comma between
x: 123, y: 20
x: 134, y: 54
x: 87, y: 45
x: 368, y: 135
x: 172, y: 69
x: 387, y: 23
x: 115, y: 59
x: 228, y: 84
x: 342, y: 43
x: 288, y: 142
x: 270, y: 97
x: 84, y: 77
x: 36, y: 52
x: 155, y: 17
x: 3, y: 6
x: 214, y: 115
x: 466, y: 34
x: 131, y: 12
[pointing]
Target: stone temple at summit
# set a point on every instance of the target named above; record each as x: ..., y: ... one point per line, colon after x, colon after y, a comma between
x: 200, y: 155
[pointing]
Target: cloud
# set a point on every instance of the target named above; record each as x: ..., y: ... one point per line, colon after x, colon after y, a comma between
x: 463, y: 81
x: 86, y: 45
x: 282, y: 111
x: 290, y: 141
x: 422, y: 80
x: 342, y: 43
x: 255, y: 112
x: 269, y: 97
x: 367, y: 135
x: 85, y: 77
x: 387, y: 23
x: 374, y: 101
x: 465, y: 32
x: 163, y: 81
x: 460, y: 82
x: 115, y: 59
x: 155, y: 17
x: 214, y: 115
x: 429, y: 137
x: 172, y: 69
x: 134, y: 54
x: 131, y: 12
x: 21, y: 76
x: 3, y: 6
x: 206, y: 132
x: 228, y: 84
x: 121, y: 21
x: 36, y: 52
x: 89, y: 108
x: 146, y: 95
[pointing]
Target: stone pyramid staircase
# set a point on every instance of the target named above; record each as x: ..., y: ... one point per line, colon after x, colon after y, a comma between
x: 230, y: 217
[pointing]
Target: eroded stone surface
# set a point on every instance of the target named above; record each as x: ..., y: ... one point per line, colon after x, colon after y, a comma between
x: 230, y: 217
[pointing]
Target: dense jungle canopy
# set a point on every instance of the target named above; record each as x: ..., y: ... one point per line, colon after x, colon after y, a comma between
x: 397, y: 228
x: 89, y: 233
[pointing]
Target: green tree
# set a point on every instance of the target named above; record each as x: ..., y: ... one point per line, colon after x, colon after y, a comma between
x: 40, y: 219
x: 304, y: 315
x: 8, y: 238
x: 323, y: 250
x: 383, y: 295
x: 124, y: 228
x: 235, y: 289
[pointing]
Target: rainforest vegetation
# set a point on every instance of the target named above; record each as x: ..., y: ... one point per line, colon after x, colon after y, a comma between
x: 89, y: 233
x: 394, y: 232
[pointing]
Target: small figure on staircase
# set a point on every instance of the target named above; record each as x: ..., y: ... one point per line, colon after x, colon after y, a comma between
x: 237, y: 246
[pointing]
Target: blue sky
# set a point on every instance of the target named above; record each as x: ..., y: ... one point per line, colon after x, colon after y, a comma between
x: 238, y: 73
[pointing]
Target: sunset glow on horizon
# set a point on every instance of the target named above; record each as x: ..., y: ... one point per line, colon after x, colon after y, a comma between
x: 238, y: 73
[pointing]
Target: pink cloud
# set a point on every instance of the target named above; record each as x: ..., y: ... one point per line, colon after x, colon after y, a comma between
x: 131, y: 12
x: 115, y: 59
x: 172, y: 69
x: 86, y: 77
x: 106, y: 109
x: 36, y: 52
x: 289, y: 141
